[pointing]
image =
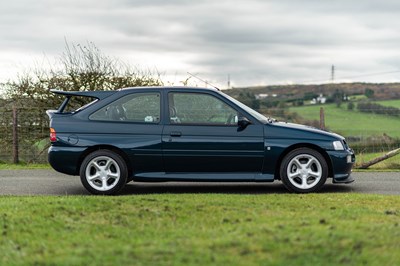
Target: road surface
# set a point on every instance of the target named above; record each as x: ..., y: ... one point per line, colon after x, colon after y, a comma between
x: 49, y: 182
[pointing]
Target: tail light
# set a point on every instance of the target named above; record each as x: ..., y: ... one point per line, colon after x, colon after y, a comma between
x: 53, y: 135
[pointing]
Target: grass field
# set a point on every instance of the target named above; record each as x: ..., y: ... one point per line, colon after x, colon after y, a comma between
x: 9, y: 166
x: 390, y: 164
x: 201, y: 229
x: 351, y: 123
x: 392, y: 103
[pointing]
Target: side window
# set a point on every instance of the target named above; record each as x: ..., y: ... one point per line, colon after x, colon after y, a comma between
x: 136, y: 107
x: 198, y: 108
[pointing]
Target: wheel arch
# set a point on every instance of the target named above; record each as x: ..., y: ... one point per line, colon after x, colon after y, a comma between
x: 106, y: 147
x: 304, y: 145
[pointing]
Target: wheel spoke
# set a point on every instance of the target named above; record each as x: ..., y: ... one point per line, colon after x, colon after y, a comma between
x: 297, y: 163
x: 310, y: 162
x: 94, y: 177
x: 315, y: 174
x: 96, y: 165
x: 304, y: 183
x: 293, y: 175
x: 104, y: 185
x: 112, y: 175
x: 108, y: 165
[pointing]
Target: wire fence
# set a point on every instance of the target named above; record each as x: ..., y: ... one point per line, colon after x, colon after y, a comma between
x: 24, y: 136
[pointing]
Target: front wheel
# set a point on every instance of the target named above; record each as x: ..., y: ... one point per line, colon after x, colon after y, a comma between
x: 304, y: 170
x: 103, y: 172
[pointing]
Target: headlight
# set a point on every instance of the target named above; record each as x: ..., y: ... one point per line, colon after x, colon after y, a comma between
x: 338, y: 145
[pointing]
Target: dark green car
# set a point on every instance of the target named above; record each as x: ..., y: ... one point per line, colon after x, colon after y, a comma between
x: 157, y: 134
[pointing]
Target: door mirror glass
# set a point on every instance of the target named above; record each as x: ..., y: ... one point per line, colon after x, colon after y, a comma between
x: 243, y: 122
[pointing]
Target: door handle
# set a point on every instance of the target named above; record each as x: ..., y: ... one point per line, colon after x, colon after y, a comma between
x: 175, y: 134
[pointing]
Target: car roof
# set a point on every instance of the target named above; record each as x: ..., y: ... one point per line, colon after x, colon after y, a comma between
x: 184, y: 88
x: 104, y: 94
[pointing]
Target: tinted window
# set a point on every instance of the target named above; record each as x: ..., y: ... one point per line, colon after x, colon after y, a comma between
x: 197, y: 108
x: 137, y: 107
x: 78, y: 103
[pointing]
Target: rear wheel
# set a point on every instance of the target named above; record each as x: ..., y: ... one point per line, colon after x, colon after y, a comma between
x: 103, y: 172
x: 304, y: 170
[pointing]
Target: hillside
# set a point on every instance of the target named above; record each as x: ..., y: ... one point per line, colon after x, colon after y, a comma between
x: 352, y: 123
x: 381, y: 91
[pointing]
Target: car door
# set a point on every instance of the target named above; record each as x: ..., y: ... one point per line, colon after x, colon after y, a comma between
x: 202, y: 136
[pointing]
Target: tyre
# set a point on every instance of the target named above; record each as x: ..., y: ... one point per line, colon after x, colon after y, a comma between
x: 303, y: 170
x: 103, y: 172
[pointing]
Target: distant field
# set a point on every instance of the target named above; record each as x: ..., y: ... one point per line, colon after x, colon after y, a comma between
x: 353, y: 123
x: 392, y: 103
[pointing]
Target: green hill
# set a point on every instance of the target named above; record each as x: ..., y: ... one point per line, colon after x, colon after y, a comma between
x: 353, y: 123
x: 383, y: 91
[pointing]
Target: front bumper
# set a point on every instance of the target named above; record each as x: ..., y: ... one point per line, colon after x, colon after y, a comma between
x: 344, y: 179
x: 342, y: 163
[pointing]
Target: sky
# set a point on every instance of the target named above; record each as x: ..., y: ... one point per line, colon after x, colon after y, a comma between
x: 245, y: 42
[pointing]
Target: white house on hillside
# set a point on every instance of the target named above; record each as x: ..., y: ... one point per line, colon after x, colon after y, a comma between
x: 320, y: 99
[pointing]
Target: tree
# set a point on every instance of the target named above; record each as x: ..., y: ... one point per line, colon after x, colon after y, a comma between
x: 78, y: 68
x: 249, y: 99
x: 338, y: 97
x: 309, y: 96
x: 350, y: 106
x: 369, y: 93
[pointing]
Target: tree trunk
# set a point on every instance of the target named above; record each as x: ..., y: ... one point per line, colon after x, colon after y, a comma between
x: 379, y: 159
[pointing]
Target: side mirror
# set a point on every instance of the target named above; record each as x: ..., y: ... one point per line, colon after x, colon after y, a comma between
x: 243, y: 122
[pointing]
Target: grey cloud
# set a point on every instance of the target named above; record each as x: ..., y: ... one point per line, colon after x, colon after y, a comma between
x: 254, y: 41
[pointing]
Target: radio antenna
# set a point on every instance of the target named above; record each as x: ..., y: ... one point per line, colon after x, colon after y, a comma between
x: 205, y: 81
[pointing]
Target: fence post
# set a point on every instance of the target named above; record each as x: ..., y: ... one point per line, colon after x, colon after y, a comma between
x: 15, y: 135
x: 321, y: 118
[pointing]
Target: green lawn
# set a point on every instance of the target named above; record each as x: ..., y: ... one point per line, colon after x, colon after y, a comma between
x: 9, y: 166
x: 351, y: 123
x: 201, y: 229
x: 392, y: 103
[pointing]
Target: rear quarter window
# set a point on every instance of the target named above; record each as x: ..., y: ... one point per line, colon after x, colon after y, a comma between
x: 78, y: 103
x: 136, y: 107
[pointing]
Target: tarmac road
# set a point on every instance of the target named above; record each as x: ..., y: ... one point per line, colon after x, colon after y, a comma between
x: 49, y: 182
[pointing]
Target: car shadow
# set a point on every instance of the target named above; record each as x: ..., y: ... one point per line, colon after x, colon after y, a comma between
x: 219, y: 188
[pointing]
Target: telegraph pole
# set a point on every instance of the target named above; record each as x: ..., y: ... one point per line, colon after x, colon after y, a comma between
x: 333, y: 74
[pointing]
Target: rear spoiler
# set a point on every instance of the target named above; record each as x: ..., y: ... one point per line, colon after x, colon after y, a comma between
x: 91, y: 94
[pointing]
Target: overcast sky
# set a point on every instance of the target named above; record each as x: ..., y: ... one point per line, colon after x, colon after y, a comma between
x: 255, y: 42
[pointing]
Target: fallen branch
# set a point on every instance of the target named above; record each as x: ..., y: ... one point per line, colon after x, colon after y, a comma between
x: 379, y: 159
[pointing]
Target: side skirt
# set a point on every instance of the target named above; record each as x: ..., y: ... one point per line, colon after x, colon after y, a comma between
x: 206, y: 177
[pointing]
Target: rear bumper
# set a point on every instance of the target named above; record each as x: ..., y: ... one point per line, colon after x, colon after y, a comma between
x: 65, y: 160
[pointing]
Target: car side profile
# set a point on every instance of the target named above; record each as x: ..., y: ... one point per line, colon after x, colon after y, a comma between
x: 153, y: 134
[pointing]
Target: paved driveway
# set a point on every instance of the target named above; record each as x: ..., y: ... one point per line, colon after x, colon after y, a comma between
x: 49, y: 182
